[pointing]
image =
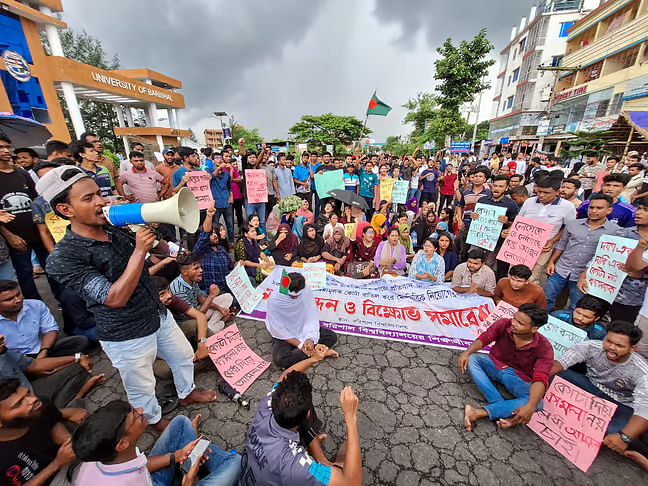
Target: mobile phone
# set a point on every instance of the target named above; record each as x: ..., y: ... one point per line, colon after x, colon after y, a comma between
x: 196, y: 454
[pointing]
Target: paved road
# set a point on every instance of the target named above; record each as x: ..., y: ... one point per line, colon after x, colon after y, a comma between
x: 410, y: 419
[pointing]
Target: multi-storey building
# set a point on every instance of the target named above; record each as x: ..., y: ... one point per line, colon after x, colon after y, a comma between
x: 213, y: 137
x: 522, y: 91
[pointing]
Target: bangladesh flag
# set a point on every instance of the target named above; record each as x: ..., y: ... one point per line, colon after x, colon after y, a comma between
x: 377, y: 107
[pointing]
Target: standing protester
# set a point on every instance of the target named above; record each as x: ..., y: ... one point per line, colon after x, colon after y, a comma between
x: 229, y: 166
x: 635, y: 171
x: 273, y: 187
x: 88, y: 158
x: 284, y: 176
x: 55, y: 149
x: 126, y: 164
x: 27, y: 158
x: 102, y: 160
x: 252, y: 161
x: 466, y: 204
x: 221, y: 190
x: 166, y: 170
x: 428, y: 180
x: 302, y: 178
x: 622, y: 213
x: 101, y: 264
x: 568, y: 190
x: 142, y: 182
x: 369, y: 188
x: 587, y: 174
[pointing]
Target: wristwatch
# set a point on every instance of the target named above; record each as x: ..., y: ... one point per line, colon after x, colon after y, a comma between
x: 625, y: 438
x: 203, y: 340
x: 77, y: 357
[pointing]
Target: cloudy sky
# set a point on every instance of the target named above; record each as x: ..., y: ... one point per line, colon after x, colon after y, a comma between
x: 270, y: 62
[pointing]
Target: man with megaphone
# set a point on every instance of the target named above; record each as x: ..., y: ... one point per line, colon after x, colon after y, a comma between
x: 101, y: 264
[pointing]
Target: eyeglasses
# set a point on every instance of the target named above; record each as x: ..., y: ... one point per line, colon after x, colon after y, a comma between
x: 7, y: 147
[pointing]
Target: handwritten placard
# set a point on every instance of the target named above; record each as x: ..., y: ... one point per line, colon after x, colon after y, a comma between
x: 525, y: 241
x: 199, y: 185
x: 350, y: 230
x: 604, y: 275
x: 329, y: 181
x: 315, y: 275
x: 386, y: 189
x: 399, y: 193
x: 561, y: 335
x: 57, y: 226
x: 503, y: 310
x: 485, y: 231
x: 573, y: 422
x: 234, y: 359
x: 240, y: 285
x: 257, y: 185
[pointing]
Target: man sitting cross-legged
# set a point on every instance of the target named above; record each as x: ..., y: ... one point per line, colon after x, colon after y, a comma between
x: 293, y: 322
x: 520, y: 359
x: 616, y: 373
x: 284, y: 432
x: 107, y: 443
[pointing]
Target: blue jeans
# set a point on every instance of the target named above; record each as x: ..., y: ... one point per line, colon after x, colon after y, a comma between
x: 623, y: 412
x: 7, y: 271
x: 228, y: 216
x: 22, y: 263
x: 223, y: 467
x: 134, y: 360
x: 258, y: 209
x: 484, y: 372
x: 414, y: 193
x: 555, y: 284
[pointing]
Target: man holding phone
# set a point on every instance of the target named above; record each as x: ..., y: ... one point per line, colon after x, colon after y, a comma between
x: 107, y: 444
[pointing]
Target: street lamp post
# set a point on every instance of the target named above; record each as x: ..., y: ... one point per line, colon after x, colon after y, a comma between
x: 220, y: 115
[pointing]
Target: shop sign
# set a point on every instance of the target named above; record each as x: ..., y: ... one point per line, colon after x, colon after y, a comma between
x: 565, y: 95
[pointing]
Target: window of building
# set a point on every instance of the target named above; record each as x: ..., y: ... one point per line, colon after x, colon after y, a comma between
x: 509, y: 81
x: 566, y: 5
x: 516, y: 74
x: 514, y: 53
x: 592, y: 72
x: 644, y: 53
x: 614, y: 108
x: 555, y: 60
x: 564, y: 27
x: 509, y: 102
x: 523, y: 44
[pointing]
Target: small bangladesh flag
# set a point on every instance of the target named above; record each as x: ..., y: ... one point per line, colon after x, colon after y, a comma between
x: 377, y: 107
x: 284, y: 283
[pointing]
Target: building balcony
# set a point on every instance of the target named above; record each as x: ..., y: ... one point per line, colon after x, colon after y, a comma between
x: 626, y: 36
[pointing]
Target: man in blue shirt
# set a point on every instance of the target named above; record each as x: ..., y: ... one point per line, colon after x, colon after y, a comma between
x: 428, y: 183
x: 29, y: 327
x: 586, y: 315
x: 302, y: 177
x: 368, y: 187
x: 190, y: 162
x: 221, y: 189
x: 284, y: 176
x: 622, y: 213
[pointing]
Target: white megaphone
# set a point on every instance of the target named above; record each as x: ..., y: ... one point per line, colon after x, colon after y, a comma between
x: 180, y: 210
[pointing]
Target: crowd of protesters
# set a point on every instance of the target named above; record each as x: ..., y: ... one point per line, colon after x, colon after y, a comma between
x: 151, y: 298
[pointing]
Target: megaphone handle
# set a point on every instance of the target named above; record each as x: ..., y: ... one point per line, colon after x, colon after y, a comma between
x: 136, y: 227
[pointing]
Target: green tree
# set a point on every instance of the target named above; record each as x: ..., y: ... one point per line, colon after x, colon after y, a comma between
x: 97, y: 117
x: 482, y: 130
x: 396, y: 146
x: 585, y: 143
x: 252, y: 136
x: 328, y: 129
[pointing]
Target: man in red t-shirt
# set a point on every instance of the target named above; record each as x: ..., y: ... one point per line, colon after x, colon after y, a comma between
x: 520, y: 359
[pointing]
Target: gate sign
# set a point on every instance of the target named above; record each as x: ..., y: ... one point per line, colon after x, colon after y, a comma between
x: 16, y: 65
x: 460, y: 146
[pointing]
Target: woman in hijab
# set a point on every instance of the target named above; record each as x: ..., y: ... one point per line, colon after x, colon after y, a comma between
x: 412, y: 210
x: 335, y: 250
x: 378, y: 225
x: 424, y: 226
x: 427, y: 264
x: 360, y: 261
x: 303, y: 211
x: 293, y: 322
x: 310, y: 248
x: 247, y: 251
x: 441, y: 227
x: 390, y: 256
x: 284, y: 246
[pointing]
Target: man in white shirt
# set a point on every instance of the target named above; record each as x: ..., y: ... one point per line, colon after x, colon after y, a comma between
x: 548, y: 207
x: 521, y: 165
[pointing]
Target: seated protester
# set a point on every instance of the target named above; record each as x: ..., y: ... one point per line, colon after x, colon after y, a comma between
x: 292, y: 451
x: 517, y: 289
x: 445, y: 249
x: 622, y: 212
x: 186, y: 286
x: 406, y: 240
x: 284, y: 245
x: 255, y: 222
x: 293, y: 322
x: 194, y: 326
x: 35, y: 445
x: 428, y: 265
x: 107, y: 444
x: 57, y: 380
x: 441, y: 227
x: 576, y: 248
x: 425, y: 227
x: 247, y: 252
x: 378, y: 221
x: 212, y: 248
x: 360, y: 261
x: 303, y: 211
x: 391, y: 257
x: 324, y: 218
x: 29, y: 326
x: 520, y: 359
x: 473, y: 277
x: 336, y: 250
x: 586, y: 316
x: 334, y: 222
x: 615, y: 372
x: 310, y: 248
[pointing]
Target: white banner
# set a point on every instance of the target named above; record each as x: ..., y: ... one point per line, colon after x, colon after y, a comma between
x: 393, y: 308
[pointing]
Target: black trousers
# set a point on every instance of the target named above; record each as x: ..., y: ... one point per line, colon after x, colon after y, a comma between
x: 66, y: 346
x: 285, y: 355
x: 61, y: 386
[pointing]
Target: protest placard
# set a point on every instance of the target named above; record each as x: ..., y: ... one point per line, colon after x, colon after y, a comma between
x: 315, y: 275
x: 502, y: 311
x: 604, y: 275
x: 350, y: 230
x: 199, y: 185
x: 56, y: 225
x: 240, y: 285
x: 329, y: 181
x: 386, y: 189
x: 256, y: 185
x: 236, y: 362
x: 399, y: 193
x: 525, y: 241
x: 485, y: 231
x: 561, y: 335
x: 573, y: 422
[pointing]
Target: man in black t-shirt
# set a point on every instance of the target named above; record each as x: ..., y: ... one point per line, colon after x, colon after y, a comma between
x: 17, y: 191
x: 34, y: 443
